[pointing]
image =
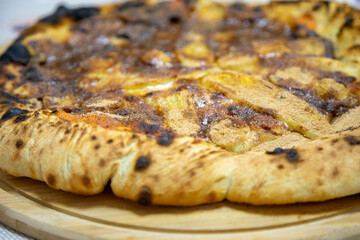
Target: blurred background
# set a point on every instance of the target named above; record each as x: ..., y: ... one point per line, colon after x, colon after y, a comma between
x: 17, y: 14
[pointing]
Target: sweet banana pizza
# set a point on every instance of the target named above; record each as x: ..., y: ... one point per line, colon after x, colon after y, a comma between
x: 187, y: 102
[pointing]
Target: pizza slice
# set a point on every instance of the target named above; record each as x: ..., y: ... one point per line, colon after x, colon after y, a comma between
x: 183, y: 103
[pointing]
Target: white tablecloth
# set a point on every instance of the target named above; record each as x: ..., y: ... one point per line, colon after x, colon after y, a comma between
x: 11, y: 234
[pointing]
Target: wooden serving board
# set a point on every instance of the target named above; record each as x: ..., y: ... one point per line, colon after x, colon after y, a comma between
x: 33, y: 208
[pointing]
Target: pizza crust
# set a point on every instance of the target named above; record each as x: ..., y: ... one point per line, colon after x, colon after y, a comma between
x: 81, y: 158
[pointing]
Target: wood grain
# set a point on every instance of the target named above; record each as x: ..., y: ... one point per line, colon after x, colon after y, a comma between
x: 33, y: 208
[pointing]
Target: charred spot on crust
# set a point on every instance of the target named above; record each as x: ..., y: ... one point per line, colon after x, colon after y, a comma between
x: 50, y: 179
x: 352, y: 140
x: 348, y: 22
x: 142, y: 163
x: 131, y: 4
x: 291, y: 154
x: 97, y: 146
x: 19, y: 144
x: 17, y: 53
x: 166, y: 138
x: 12, y: 112
x: 76, y: 14
x: 21, y: 118
x: 93, y: 137
x: 86, y: 180
x: 67, y: 131
x: 145, y: 196
x: 110, y: 141
x: 280, y: 166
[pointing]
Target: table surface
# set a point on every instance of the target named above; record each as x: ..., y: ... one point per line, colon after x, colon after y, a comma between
x: 13, y: 18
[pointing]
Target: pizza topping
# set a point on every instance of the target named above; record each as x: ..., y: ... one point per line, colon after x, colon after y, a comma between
x: 17, y: 53
x: 153, y: 68
x: 142, y: 163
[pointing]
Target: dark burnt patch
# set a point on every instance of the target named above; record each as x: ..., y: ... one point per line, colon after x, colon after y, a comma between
x: 97, y: 146
x: 142, y: 163
x: 347, y: 24
x: 54, y: 18
x: 166, y: 138
x: 291, y: 154
x: 352, y: 140
x: 12, y: 112
x: 93, y: 137
x: 76, y: 14
x: 51, y: 179
x: 21, y: 118
x: 110, y: 141
x: 19, y: 144
x: 145, y: 196
x: 17, y: 53
x: 86, y: 181
x: 79, y: 14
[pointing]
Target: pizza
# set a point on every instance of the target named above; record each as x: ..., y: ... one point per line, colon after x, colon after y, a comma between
x: 187, y: 102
